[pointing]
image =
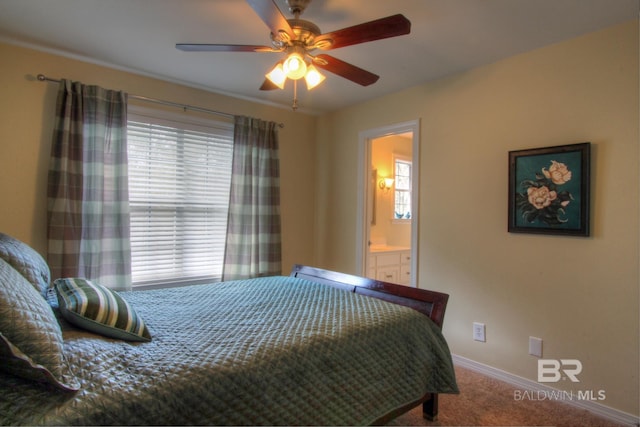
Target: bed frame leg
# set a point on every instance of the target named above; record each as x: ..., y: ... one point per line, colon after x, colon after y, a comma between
x: 430, y: 407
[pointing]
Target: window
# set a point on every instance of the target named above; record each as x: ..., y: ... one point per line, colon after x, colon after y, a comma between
x: 402, y: 206
x: 179, y: 179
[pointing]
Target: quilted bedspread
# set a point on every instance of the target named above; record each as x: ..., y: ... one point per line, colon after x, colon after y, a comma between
x: 268, y: 351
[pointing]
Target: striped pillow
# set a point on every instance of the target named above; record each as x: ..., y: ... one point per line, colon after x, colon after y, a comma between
x: 99, y: 309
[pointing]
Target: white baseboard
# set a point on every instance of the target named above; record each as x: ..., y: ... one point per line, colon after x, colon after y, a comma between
x: 611, y: 414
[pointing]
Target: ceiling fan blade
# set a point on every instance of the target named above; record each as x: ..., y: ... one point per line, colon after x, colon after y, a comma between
x: 196, y: 47
x: 346, y: 70
x: 391, y: 26
x: 268, y: 11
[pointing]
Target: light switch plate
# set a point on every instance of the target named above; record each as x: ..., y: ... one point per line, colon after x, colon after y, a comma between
x: 479, y: 330
x: 535, y: 346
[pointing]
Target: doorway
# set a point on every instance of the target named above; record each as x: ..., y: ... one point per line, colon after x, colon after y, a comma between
x: 387, y: 232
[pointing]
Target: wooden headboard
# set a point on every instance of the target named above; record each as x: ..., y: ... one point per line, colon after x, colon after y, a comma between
x: 431, y: 303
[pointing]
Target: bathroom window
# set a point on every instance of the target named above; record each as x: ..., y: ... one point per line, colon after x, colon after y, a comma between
x: 402, y: 204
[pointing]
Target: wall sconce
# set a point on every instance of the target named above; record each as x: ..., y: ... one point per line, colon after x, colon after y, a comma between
x: 385, y: 184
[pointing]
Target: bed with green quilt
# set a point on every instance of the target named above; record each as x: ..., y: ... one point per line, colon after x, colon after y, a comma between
x: 313, y: 348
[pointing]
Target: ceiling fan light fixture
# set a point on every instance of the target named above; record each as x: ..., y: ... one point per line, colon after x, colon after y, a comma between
x: 277, y: 76
x: 294, y: 66
x: 297, y: 38
x: 313, y: 77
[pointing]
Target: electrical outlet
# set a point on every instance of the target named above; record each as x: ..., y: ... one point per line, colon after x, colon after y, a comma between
x: 535, y: 346
x: 479, y: 332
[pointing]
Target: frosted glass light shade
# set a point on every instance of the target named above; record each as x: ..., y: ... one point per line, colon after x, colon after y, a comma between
x: 294, y: 66
x: 277, y: 76
x: 313, y: 77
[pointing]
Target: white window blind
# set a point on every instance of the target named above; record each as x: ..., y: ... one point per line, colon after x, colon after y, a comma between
x: 179, y: 179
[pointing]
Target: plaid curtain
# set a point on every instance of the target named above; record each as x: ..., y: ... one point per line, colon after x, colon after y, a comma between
x: 88, y: 200
x: 253, y: 246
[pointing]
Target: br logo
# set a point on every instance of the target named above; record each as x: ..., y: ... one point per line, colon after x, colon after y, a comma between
x: 553, y: 370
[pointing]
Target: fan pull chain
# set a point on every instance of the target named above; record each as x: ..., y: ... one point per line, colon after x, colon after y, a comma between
x: 295, y: 95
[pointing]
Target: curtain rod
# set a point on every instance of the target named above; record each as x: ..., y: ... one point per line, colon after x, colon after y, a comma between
x: 43, y: 78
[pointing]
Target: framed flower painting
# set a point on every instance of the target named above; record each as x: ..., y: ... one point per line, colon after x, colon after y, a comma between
x: 549, y: 190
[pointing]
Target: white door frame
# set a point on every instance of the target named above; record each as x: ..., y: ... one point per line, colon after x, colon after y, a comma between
x: 364, y: 182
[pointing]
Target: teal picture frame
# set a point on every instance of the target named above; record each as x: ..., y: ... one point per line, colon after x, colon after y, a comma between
x: 549, y: 190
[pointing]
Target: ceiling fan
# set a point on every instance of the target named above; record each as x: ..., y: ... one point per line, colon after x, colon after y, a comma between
x: 299, y: 38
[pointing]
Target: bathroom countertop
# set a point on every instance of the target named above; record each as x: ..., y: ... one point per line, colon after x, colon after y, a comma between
x: 387, y: 248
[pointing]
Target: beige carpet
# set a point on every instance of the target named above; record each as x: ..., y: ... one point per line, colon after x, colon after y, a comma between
x: 484, y: 401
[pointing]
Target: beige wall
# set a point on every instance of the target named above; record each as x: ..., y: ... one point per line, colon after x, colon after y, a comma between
x: 580, y: 295
x: 27, y: 109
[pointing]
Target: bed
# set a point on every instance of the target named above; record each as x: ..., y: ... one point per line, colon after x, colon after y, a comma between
x: 313, y: 348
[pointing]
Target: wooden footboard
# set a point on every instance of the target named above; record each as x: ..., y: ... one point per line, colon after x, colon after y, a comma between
x: 430, y: 303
